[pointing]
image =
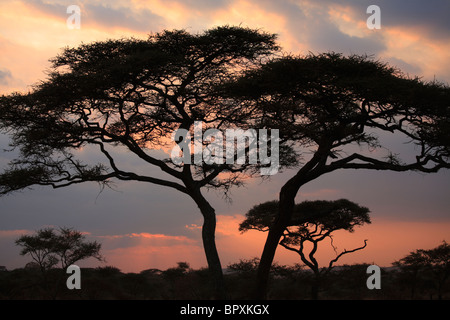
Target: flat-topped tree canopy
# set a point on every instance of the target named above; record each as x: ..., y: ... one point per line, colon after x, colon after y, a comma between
x: 328, y: 101
x: 341, y: 214
x: 311, y: 223
x: 129, y: 92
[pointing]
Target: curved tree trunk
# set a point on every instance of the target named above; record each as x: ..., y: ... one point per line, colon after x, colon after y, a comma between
x: 315, y: 287
x: 209, y: 245
x: 286, y: 206
x: 311, y: 170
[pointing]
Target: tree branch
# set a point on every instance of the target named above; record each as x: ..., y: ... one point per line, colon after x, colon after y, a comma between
x: 330, y: 266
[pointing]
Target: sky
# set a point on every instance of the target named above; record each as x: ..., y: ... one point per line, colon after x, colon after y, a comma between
x: 142, y: 226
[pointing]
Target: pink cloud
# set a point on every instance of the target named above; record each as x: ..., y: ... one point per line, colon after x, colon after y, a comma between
x: 13, y: 233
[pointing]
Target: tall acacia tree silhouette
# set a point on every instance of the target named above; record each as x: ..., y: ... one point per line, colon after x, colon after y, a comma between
x: 132, y: 94
x: 332, y: 109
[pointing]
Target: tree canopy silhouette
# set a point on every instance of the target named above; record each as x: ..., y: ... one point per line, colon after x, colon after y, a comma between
x: 436, y: 261
x: 334, y: 111
x: 311, y: 223
x: 65, y: 246
x: 132, y: 94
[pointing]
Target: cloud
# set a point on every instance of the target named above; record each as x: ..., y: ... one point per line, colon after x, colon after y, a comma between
x: 249, y: 13
x: 411, y: 31
x: 389, y: 240
x: 142, y: 20
x: 431, y: 17
x: 5, y: 76
x: 204, y: 5
x: 406, y: 67
x: 134, y: 252
x: 13, y: 234
x: 145, y: 239
x: 302, y: 26
x: 139, y: 258
x: 107, y: 15
x: 54, y: 8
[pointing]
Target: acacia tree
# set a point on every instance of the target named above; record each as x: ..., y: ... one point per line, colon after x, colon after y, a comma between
x: 132, y: 94
x: 436, y: 261
x: 66, y: 246
x: 311, y: 223
x: 332, y: 110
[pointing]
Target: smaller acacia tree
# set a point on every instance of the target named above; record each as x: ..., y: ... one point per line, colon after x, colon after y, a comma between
x: 65, y: 246
x: 311, y: 223
x: 434, y: 261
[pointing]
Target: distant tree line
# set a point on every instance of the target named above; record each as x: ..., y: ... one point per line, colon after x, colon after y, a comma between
x: 422, y: 274
x: 407, y: 279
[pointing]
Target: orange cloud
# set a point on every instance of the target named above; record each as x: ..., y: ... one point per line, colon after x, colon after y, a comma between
x: 409, y: 43
x: 348, y: 22
x: 146, y: 239
x: 176, y: 13
x: 388, y: 241
x: 251, y: 14
x: 142, y: 257
x: 413, y: 46
x: 135, y: 252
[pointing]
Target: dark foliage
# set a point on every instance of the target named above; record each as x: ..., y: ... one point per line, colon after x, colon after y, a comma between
x: 286, y: 283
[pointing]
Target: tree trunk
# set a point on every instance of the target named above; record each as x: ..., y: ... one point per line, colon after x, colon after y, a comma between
x: 310, y: 171
x: 315, y: 286
x: 440, y: 284
x: 209, y: 245
x: 286, y: 206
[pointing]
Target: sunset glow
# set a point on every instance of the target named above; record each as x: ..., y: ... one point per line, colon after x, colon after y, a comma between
x: 142, y: 227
